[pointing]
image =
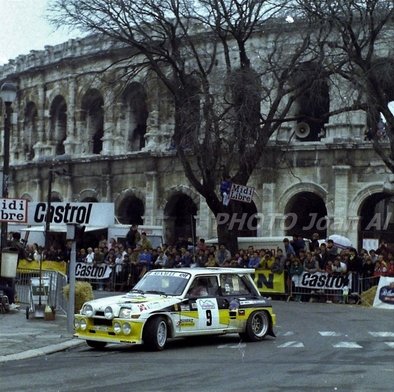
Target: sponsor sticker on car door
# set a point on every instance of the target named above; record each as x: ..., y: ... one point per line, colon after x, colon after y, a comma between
x: 208, y: 313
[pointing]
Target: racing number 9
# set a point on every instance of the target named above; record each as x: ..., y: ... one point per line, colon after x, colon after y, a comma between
x: 209, y: 318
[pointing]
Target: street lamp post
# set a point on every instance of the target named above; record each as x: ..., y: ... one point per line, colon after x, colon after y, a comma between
x: 7, y: 95
x: 48, y: 215
x: 48, y: 218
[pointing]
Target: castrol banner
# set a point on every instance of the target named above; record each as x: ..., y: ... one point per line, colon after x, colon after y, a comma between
x: 86, y: 214
x: 92, y: 271
x: 323, y: 280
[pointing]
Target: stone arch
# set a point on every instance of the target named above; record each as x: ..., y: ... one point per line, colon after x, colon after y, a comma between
x: 134, y: 114
x: 305, y: 210
x: 180, y: 210
x: 312, y: 103
x: 363, y: 194
x: 58, y: 123
x: 88, y: 196
x: 375, y: 214
x: 302, y: 187
x: 89, y: 200
x: 382, y: 70
x: 56, y: 197
x: 179, y: 189
x: 92, y: 120
x: 26, y: 196
x: 130, y: 207
x: 30, y: 130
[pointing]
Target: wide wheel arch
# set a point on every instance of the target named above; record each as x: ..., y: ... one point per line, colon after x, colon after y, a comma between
x: 258, y: 326
x: 149, y: 332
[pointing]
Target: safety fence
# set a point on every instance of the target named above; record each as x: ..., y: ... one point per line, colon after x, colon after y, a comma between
x: 314, y: 287
x: 328, y: 287
x: 30, y: 288
x: 118, y: 277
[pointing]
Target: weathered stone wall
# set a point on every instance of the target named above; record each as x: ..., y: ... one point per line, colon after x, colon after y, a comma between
x: 68, y: 93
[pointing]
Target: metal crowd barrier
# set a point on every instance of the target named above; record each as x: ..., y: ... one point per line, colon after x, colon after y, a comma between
x: 348, y: 290
x: 345, y: 288
x: 123, y: 277
x: 57, y: 281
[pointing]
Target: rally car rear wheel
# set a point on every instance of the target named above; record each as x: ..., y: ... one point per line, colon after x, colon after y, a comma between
x: 95, y: 344
x: 156, y: 333
x: 257, y: 327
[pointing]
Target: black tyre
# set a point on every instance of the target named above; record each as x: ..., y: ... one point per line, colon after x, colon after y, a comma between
x: 257, y: 327
x: 27, y: 313
x: 155, y: 333
x: 95, y: 344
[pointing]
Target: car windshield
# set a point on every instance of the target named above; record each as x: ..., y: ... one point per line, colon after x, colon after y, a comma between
x: 162, y: 282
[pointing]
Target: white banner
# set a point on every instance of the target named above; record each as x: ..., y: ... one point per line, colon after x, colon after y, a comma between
x: 92, y: 214
x: 92, y: 271
x: 384, y: 297
x: 323, y: 280
x: 370, y: 243
x: 13, y: 210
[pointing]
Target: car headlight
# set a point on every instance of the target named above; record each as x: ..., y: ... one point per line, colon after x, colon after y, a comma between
x: 76, y: 324
x: 108, y: 313
x: 117, y: 328
x: 125, y: 313
x: 87, y: 310
x: 82, y: 324
x: 126, y: 328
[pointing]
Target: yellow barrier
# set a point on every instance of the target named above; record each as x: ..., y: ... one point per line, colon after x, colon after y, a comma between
x: 47, y: 265
x: 269, y: 282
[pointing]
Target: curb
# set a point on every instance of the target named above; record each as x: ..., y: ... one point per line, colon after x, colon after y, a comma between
x: 42, y: 351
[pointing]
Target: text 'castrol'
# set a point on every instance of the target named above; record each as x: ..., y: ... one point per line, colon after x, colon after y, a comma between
x: 64, y: 213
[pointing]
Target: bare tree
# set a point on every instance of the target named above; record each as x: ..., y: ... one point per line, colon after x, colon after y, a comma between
x: 226, y: 65
x: 357, y: 35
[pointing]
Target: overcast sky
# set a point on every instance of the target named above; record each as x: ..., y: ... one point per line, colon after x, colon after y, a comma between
x: 23, y: 27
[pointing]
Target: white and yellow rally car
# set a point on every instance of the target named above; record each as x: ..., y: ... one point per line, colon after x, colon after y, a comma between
x: 171, y: 303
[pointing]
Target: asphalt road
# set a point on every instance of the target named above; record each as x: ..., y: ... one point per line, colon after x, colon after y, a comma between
x: 319, y: 347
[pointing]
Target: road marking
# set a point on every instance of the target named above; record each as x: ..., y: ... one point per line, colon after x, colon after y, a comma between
x: 347, y: 345
x: 382, y: 334
x: 329, y: 333
x: 288, y: 333
x: 390, y: 344
x: 230, y: 345
x: 240, y: 345
x: 10, y: 341
x: 291, y: 344
x: 49, y: 336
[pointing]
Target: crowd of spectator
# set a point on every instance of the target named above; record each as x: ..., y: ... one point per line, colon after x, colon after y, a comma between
x: 131, y: 259
x: 365, y: 266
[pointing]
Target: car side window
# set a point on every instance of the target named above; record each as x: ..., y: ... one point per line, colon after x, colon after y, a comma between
x: 232, y: 284
x: 204, y: 286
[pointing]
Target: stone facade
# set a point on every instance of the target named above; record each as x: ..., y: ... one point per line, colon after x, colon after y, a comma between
x: 111, y: 142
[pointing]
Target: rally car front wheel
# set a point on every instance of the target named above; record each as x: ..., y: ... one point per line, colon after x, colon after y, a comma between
x: 156, y: 333
x: 257, y: 327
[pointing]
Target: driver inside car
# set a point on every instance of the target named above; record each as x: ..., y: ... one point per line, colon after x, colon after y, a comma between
x: 199, y: 289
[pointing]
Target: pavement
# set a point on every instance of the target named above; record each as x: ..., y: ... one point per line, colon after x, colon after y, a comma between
x: 22, y: 338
